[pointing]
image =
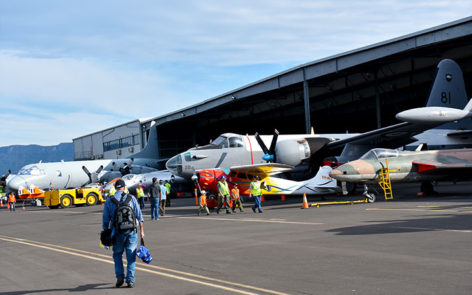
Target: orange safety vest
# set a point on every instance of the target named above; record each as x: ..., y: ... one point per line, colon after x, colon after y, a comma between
x: 11, y: 198
x: 235, y: 193
x: 203, y: 200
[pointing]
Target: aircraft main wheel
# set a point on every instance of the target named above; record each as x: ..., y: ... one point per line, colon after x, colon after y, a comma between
x: 370, y: 197
x: 91, y: 199
x: 66, y: 201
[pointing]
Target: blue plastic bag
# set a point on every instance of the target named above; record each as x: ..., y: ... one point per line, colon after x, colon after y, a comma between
x: 143, y: 253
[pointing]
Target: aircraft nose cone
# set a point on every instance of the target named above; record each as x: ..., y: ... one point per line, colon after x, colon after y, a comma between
x: 334, y: 173
x: 16, y: 182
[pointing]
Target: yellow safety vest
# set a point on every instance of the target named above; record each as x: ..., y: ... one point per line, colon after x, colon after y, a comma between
x: 256, y: 188
x: 112, y: 190
x: 223, y: 189
x: 140, y: 192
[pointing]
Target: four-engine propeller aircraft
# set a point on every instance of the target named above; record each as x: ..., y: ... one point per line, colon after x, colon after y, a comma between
x: 408, y: 166
x: 229, y: 150
x: 74, y: 174
x: 321, y: 184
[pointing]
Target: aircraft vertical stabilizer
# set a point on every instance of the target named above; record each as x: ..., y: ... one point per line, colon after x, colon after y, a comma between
x: 150, y: 150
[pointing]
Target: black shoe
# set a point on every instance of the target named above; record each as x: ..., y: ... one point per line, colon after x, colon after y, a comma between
x: 227, y: 212
x: 130, y: 284
x: 208, y: 213
x: 253, y: 210
x: 217, y: 211
x: 119, y: 282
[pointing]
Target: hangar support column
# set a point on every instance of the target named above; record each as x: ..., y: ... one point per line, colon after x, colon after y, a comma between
x: 306, y: 99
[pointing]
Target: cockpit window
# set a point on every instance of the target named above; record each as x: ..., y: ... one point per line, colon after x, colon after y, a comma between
x: 128, y: 177
x: 235, y: 142
x: 376, y: 154
x: 33, y: 170
x: 221, y: 141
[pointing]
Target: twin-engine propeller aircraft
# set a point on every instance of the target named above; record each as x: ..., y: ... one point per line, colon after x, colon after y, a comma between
x: 74, y: 174
x: 408, y: 166
x: 229, y: 150
x: 321, y: 184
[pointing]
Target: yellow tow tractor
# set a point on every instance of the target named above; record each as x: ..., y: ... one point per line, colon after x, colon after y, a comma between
x: 67, y: 197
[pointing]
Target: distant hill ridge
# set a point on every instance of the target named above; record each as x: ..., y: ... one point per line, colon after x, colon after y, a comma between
x: 14, y: 157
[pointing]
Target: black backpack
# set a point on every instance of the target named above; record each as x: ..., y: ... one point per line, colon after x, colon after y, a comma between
x: 125, y: 218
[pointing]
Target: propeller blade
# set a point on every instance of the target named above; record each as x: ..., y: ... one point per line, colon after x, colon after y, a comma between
x: 261, y: 143
x: 274, y: 142
x: 99, y: 169
x: 88, y: 174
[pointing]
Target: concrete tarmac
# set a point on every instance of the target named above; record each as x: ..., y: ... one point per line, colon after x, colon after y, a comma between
x: 410, y: 245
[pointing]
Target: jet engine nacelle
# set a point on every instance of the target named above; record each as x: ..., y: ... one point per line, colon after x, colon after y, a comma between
x: 292, y: 152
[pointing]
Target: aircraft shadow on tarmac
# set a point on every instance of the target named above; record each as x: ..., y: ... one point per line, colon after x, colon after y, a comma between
x: 443, y: 222
x: 62, y: 290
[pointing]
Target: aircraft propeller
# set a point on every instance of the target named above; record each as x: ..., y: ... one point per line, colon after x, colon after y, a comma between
x: 93, y: 178
x: 3, y: 179
x: 126, y: 169
x: 270, y: 155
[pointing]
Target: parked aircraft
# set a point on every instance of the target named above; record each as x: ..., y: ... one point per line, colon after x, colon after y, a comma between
x: 72, y: 174
x: 229, y: 149
x: 408, y: 166
x: 322, y: 183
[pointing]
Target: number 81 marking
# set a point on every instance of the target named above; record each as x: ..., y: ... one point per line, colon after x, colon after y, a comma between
x: 446, y: 97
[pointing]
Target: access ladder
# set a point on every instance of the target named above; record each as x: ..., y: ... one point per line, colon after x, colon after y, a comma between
x: 385, y: 182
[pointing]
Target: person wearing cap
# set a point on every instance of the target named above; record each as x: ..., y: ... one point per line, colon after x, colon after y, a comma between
x: 223, y: 195
x: 203, y: 203
x: 236, y: 199
x: 154, y: 197
x: 123, y: 241
x: 162, y: 202
x: 169, y: 190
x: 256, y: 192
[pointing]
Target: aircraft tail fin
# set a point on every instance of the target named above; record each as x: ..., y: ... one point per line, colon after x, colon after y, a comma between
x: 322, y: 180
x: 449, y: 91
x: 150, y: 150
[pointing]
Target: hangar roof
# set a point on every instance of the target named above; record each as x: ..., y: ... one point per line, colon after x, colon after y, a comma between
x: 330, y: 65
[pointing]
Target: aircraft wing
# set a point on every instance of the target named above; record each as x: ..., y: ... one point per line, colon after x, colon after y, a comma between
x: 264, y: 168
x: 393, y: 136
x: 459, y: 169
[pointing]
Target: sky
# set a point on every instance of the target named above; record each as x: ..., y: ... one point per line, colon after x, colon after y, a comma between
x: 71, y: 68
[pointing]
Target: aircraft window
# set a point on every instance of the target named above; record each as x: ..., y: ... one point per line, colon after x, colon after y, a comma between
x: 59, y: 173
x: 221, y: 141
x: 33, y: 170
x: 187, y: 156
x: 174, y: 161
x: 235, y: 142
x: 232, y: 174
x: 379, y: 154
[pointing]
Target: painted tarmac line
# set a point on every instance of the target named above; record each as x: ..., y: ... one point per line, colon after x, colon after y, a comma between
x: 434, y: 229
x: 145, y: 267
x: 56, y: 211
x: 411, y: 210
x: 251, y: 220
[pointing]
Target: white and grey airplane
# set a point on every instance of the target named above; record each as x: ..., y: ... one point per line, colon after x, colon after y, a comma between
x: 72, y: 174
x: 445, y: 103
x: 178, y: 183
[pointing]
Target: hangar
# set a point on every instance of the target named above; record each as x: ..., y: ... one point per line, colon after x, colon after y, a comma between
x: 355, y: 91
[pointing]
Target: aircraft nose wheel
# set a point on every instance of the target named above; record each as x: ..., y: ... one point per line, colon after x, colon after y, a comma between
x: 370, y: 197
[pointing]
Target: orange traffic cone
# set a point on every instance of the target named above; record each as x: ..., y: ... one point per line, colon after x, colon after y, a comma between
x: 262, y: 198
x: 282, y: 198
x: 1, y: 202
x: 305, y: 202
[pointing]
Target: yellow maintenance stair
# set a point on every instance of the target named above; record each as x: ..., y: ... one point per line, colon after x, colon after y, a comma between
x: 385, y: 183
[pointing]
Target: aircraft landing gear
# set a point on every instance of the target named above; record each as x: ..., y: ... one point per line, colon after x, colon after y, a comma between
x: 370, y: 196
x: 427, y: 188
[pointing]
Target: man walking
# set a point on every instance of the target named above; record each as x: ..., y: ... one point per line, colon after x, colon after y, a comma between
x: 162, y: 202
x: 154, y: 197
x: 236, y: 199
x: 124, y: 238
x: 256, y: 192
x: 169, y: 191
x: 203, y: 204
x: 223, y: 195
x: 11, y: 201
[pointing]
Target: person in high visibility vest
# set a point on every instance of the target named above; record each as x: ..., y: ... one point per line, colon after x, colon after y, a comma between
x: 203, y: 203
x: 256, y: 192
x: 236, y: 199
x: 11, y: 201
x: 140, y: 196
x: 112, y: 191
x: 223, y: 195
x: 168, y: 186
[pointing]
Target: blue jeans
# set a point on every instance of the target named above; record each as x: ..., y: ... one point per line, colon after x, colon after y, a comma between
x: 12, y: 206
x: 121, y: 243
x: 141, y: 203
x: 154, y: 206
x: 257, y: 203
